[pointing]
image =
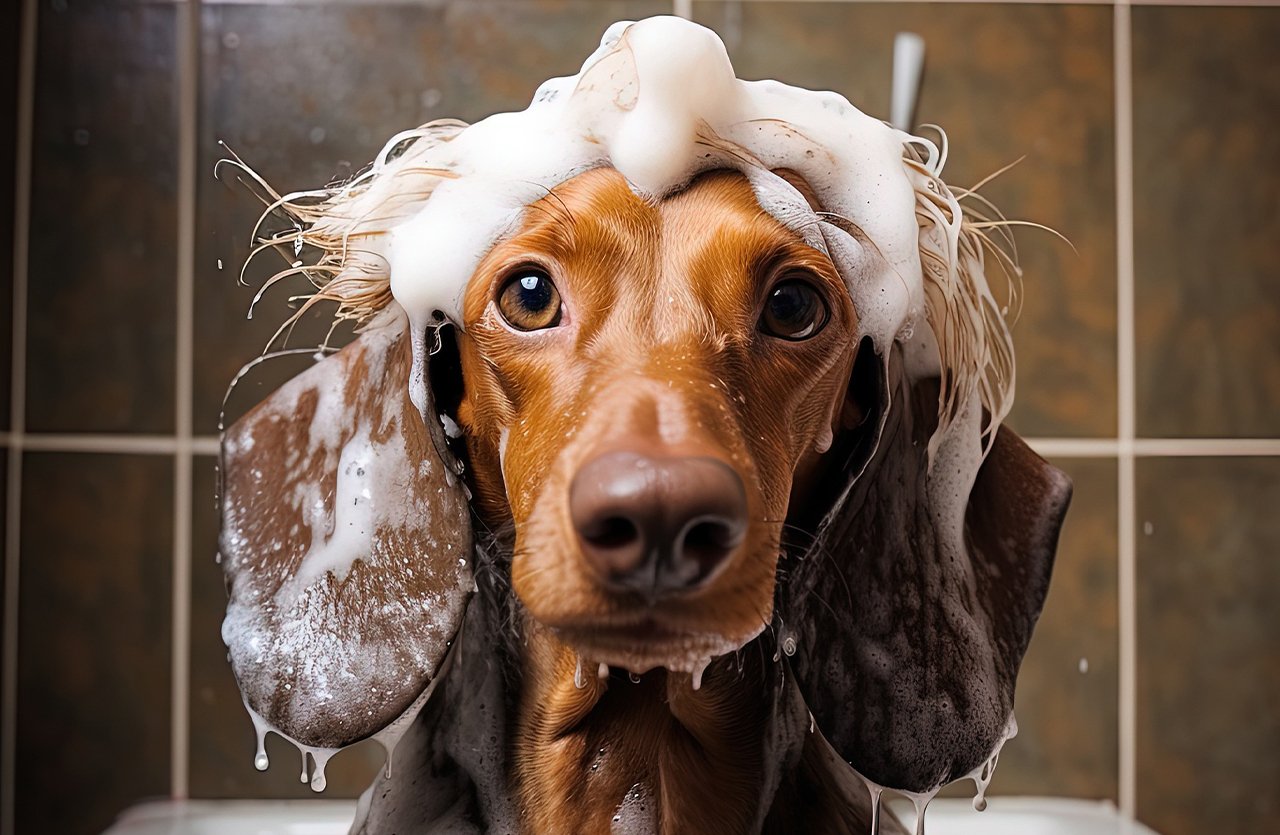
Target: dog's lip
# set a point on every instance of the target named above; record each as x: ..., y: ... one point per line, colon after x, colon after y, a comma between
x: 647, y: 630
x: 642, y: 645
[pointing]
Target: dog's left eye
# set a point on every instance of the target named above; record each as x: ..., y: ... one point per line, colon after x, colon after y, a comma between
x: 529, y: 301
x: 795, y: 310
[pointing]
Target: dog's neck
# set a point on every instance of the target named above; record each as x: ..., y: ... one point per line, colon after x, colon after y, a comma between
x: 654, y: 754
x: 739, y: 755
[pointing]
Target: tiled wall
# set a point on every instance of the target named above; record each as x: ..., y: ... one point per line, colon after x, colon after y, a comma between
x: 1149, y: 357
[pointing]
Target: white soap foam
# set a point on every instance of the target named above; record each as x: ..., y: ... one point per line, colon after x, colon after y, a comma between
x: 659, y: 102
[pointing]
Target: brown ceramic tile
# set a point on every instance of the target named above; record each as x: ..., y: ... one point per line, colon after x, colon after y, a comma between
x: 1005, y: 81
x: 308, y: 94
x: 222, y: 737
x: 102, y: 289
x: 94, y: 633
x: 1208, y: 626
x: 1068, y: 688
x: 9, y: 29
x: 1207, y: 227
x: 4, y: 518
x: 1067, y: 697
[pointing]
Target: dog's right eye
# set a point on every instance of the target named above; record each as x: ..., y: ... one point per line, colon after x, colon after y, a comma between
x: 529, y: 301
x: 794, y: 311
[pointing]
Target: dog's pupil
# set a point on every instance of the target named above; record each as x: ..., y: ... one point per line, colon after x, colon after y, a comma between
x: 792, y: 306
x: 535, y: 292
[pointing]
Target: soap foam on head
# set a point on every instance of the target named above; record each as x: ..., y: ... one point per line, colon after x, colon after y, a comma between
x: 659, y: 102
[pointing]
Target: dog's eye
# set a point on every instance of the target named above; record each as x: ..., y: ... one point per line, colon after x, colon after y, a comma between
x: 793, y: 311
x: 529, y: 301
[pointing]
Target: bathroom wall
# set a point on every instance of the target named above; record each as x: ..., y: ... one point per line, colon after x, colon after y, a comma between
x: 1149, y: 352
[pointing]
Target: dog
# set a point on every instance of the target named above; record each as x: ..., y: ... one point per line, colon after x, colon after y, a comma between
x: 659, y: 527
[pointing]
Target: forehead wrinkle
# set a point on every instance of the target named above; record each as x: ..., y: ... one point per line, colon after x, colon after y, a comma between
x: 717, y: 243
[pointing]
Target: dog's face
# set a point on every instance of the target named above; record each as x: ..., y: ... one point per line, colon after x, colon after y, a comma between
x: 642, y: 381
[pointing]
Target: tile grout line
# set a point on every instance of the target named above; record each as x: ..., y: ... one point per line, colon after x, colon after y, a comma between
x: 188, y: 35
x: 1048, y: 446
x: 17, y: 411
x: 107, y: 444
x: 1126, y: 370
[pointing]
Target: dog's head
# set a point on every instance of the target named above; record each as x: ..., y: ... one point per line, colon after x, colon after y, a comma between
x: 760, y: 386
x: 642, y: 380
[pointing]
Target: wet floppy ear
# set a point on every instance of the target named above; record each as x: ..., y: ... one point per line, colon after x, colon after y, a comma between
x: 916, y: 608
x: 346, y: 543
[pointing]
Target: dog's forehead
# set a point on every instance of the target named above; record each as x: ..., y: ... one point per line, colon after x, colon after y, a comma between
x: 602, y: 202
x: 595, y: 228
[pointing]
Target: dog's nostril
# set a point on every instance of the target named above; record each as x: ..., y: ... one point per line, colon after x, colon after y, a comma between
x: 612, y: 532
x: 709, y: 537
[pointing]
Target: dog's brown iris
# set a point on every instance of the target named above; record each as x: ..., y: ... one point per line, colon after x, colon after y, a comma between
x: 795, y: 310
x: 529, y: 301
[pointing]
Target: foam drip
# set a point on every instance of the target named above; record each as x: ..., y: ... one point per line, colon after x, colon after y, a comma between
x: 698, y: 670
x: 981, y: 777
x: 315, y: 759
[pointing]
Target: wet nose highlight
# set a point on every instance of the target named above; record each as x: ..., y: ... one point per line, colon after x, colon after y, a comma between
x: 657, y: 525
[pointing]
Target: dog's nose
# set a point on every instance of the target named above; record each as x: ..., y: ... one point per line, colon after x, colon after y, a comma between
x: 657, y: 525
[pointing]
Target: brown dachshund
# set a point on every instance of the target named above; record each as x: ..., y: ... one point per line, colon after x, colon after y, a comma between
x: 664, y: 488
x: 661, y: 403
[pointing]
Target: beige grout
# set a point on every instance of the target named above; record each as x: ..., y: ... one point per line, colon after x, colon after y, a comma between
x: 1049, y: 447
x: 121, y: 444
x: 17, y: 412
x: 188, y: 51
x: 1126, y: 365
x: 1205, y: 447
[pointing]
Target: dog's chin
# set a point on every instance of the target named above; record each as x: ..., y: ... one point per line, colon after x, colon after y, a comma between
x: 648, y: 646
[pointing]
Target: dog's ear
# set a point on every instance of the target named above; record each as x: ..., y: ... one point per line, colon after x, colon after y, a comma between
x: 917, y: 604
x: 346, y: 542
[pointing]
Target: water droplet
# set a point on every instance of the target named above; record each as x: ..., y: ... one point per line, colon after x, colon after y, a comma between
x: 1084, y: 666
x: 635, y: 679
x: 261, y: 762
x: 579, y: 681
x: 697, y: 673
